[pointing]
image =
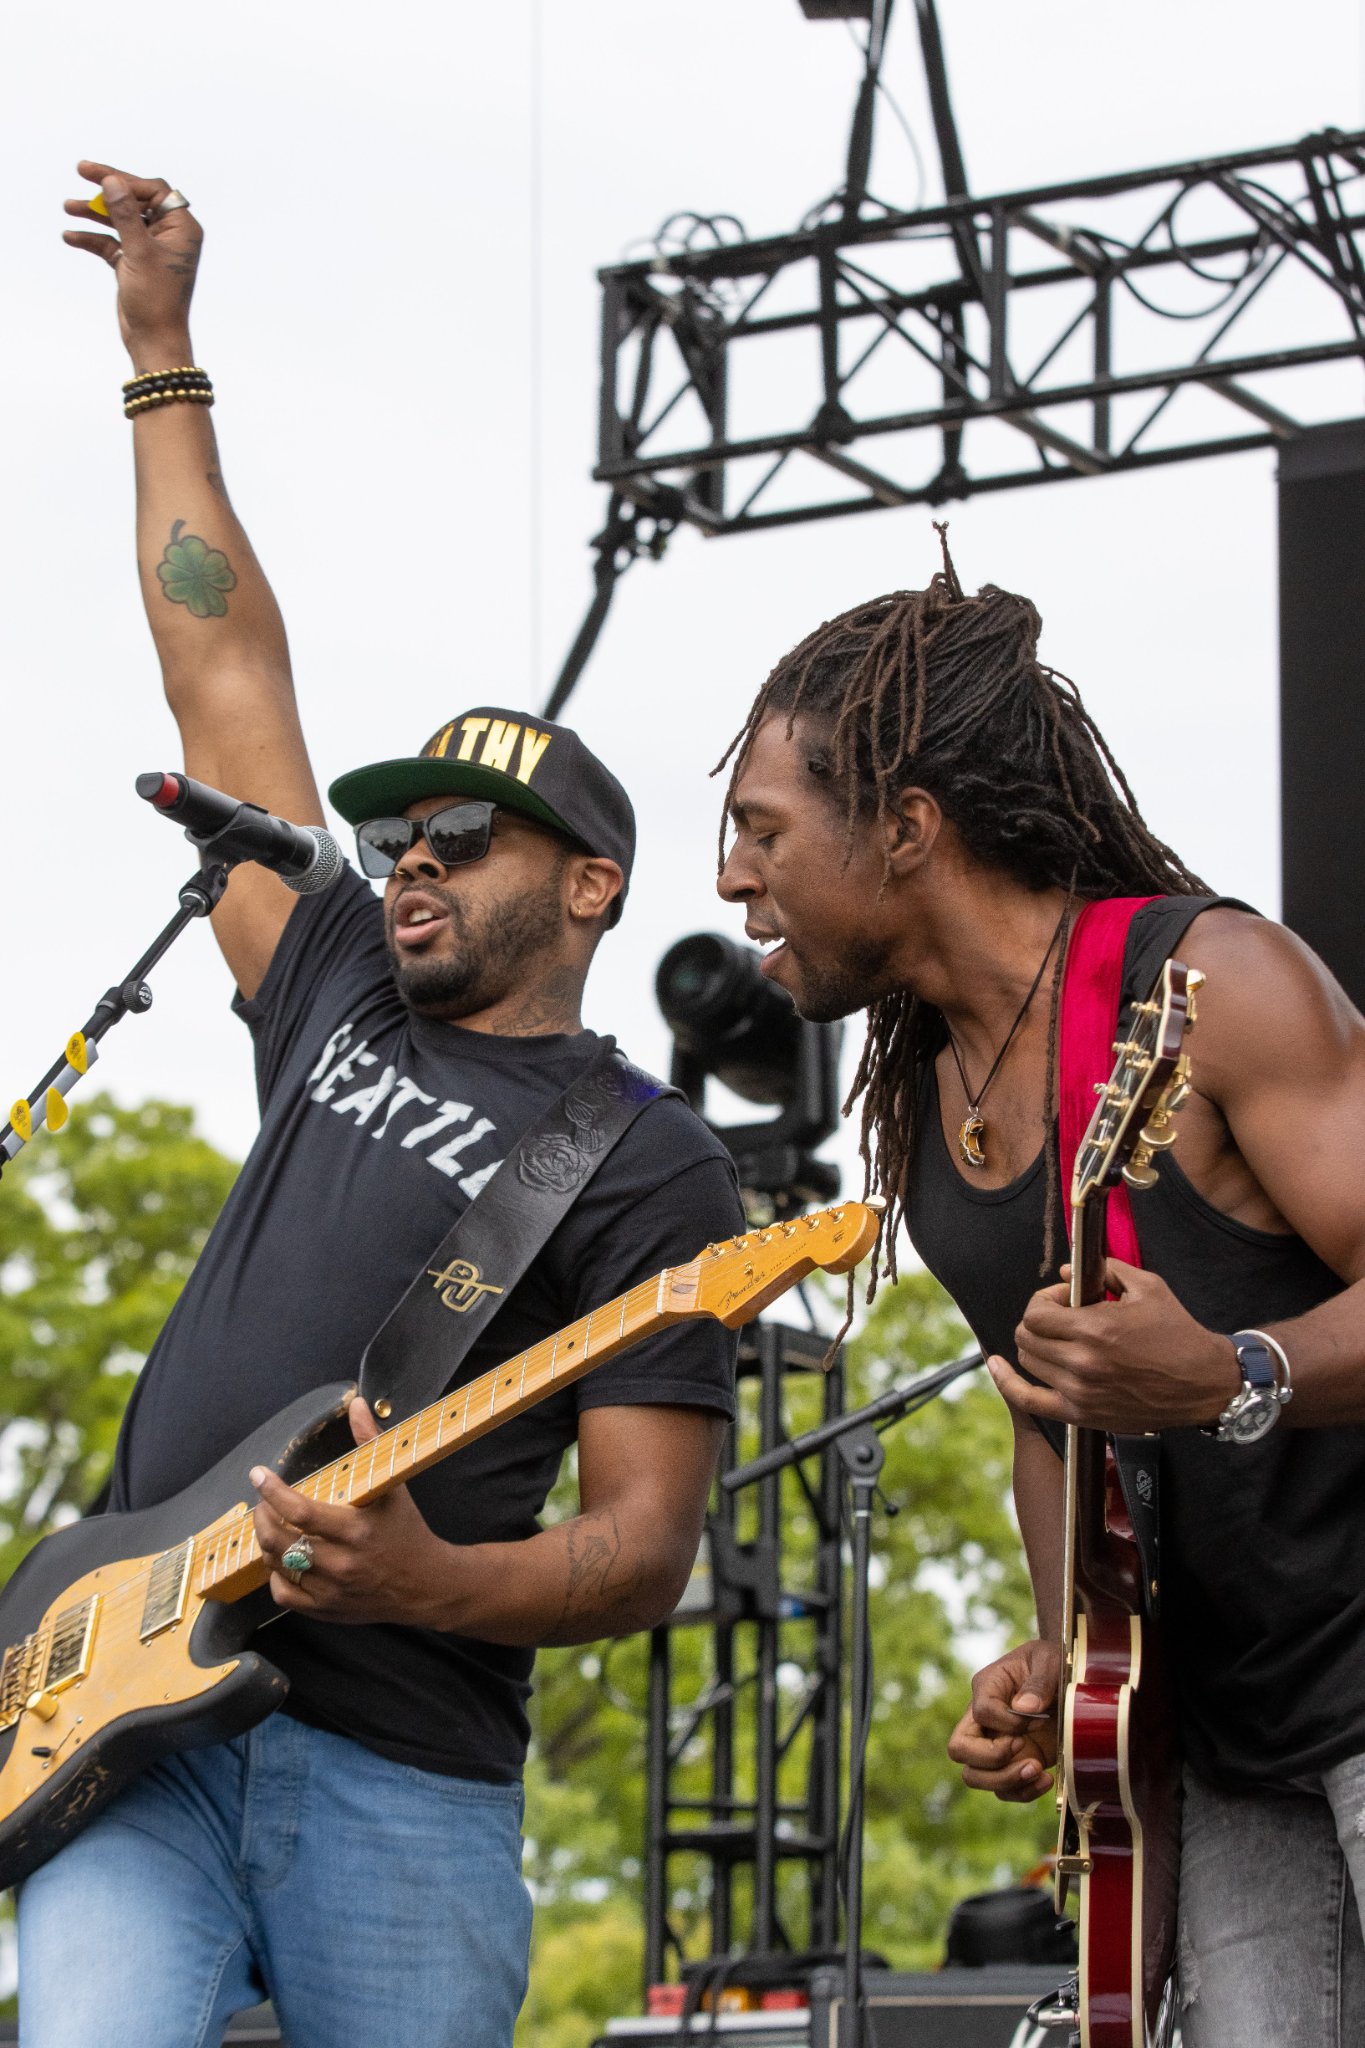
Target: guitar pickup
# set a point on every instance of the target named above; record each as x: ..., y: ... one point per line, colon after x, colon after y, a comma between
x: 73, y: 1639
x: 166, y: 1586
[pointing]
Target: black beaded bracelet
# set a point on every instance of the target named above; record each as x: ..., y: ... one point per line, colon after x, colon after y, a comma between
x: 187, y: 384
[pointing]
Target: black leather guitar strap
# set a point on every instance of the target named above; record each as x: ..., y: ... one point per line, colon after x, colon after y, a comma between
x: 417, y: 1351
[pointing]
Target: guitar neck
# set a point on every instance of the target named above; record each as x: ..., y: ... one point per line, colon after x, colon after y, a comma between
x: 1083, y: 1458
x: 227, y: 1563
x: 1100, y: 1564
x: 1088, y: 1248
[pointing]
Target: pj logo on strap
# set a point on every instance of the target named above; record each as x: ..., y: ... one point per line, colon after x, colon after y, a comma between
x: 460, y: 1284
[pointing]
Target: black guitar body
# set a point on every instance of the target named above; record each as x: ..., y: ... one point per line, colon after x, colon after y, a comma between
x: 298, y: 1440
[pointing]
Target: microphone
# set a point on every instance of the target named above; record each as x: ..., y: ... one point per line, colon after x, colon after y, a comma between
x: 305, y: 857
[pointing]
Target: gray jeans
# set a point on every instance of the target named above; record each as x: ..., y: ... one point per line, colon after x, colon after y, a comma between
x: 1272, y: 1901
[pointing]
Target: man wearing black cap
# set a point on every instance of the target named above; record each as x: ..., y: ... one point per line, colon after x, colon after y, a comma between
x: 356, y: 1856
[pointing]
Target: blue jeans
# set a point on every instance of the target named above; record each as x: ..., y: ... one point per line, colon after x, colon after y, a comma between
x: 374, y: 1904
x: 1272, y: 1902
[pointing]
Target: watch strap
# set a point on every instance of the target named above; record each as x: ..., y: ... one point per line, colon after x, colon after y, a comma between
x: 1255, y: 1358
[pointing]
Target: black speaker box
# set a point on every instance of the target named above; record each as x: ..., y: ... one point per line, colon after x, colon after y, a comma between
x: 950, y: 2008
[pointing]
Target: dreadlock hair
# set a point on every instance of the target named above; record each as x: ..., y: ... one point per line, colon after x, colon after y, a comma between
x: 946, y: 692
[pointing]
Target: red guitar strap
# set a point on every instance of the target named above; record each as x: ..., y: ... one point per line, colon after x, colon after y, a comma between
x: 1091, y: 989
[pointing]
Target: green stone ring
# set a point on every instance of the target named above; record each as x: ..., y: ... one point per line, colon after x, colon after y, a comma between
x: 298, y: 1559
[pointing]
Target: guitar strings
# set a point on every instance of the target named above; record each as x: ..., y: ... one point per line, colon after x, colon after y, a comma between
x: 136, y: 1584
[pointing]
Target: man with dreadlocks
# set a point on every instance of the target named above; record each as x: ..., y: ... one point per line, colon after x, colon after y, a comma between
x: 920, y: 808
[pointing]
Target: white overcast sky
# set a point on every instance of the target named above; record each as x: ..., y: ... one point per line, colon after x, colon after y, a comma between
x: 367, y: 309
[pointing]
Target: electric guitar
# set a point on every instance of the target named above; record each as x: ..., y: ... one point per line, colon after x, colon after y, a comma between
x: 1118, y: 1772
x: 126, y: 1636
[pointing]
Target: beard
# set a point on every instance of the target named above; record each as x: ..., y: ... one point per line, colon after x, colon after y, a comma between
x: 493, y: 952
x: 837, y: 988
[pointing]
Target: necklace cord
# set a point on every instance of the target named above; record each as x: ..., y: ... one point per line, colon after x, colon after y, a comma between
x: 974, y: 1105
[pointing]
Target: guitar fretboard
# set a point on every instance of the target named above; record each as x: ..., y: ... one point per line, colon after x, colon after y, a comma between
x: 226, y: 1560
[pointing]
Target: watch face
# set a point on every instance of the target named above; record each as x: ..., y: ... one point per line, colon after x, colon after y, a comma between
x: 1255, y: 1413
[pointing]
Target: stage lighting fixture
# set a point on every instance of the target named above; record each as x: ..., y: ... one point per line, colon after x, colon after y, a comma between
x: 729, y: 1022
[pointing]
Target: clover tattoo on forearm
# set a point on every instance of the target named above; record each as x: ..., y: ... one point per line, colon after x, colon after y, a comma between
x: 195, y: 575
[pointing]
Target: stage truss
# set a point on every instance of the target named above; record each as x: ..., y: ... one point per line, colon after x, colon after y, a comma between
x: 888, y: 359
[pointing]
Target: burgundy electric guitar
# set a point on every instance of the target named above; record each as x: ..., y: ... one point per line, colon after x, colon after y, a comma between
x: 1118, y: 1769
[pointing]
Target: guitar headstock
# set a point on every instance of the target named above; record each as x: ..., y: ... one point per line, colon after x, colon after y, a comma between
x: 1134, y: 1118
x: 734, y: 1280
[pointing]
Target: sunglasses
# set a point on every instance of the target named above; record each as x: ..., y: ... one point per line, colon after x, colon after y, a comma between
x: 456, y: 835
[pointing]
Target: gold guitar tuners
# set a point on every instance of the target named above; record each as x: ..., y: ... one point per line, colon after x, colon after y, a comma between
x: 1159, y: 1130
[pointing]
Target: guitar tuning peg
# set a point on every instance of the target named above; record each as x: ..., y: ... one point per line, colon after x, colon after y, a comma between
x: 1139, y: 1172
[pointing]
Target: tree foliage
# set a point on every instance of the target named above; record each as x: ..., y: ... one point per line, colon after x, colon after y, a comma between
x: 99, y: 1228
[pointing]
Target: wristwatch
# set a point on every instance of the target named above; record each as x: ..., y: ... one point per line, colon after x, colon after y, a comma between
x: 1265, y: 1389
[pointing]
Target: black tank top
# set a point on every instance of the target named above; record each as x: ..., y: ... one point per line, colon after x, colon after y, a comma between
x: 1263, y: 1544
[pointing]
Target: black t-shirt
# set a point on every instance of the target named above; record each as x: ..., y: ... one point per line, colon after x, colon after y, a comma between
x: 1263, y: 1545
x: 377, y: 1130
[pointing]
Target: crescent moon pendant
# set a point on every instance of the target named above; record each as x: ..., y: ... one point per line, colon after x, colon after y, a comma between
x: 969, y: 1132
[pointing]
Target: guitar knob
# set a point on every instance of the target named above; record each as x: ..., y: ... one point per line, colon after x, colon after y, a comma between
x: 42, y: 1704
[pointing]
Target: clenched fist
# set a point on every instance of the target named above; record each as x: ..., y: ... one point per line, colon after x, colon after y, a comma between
x: 1006, y: 1742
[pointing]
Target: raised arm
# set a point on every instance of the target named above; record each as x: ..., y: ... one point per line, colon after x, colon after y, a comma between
x: 217, y: 628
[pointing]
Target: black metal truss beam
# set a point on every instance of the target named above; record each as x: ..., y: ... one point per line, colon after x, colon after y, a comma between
x: 890, y: 313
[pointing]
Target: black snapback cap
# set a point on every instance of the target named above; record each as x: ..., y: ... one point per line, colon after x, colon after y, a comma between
x: 511, y: 758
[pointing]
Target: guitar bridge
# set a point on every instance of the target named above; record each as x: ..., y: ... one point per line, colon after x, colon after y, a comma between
x: 18, y: 1678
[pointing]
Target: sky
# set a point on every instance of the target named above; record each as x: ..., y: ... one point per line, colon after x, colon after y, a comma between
x: 404, y: 211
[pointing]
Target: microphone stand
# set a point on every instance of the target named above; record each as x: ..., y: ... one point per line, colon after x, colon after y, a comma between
x: 130, y: 997
x: 857, y: 1440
